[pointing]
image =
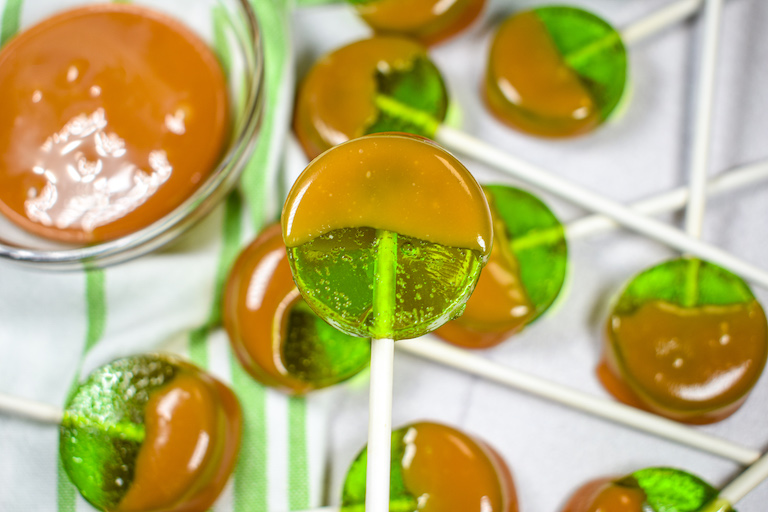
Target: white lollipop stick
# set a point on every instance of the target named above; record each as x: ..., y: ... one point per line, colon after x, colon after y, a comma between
x: 536, y: 176
x: 740, y: 486
x: 466, y: 361
x: 31, y: 410
x: 667, y: 16
x: 702, y: 122
x: 729, y: 181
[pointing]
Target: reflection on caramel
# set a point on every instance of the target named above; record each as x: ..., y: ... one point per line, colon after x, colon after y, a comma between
x: 395, y: 182
x: 428, y: 21
x: 605, y: 495
x: 258, y: 300
x: 690, y: 364
x: 499, y: 307
x: 448, y: 471
x: 193, y: 430
x: 335, y: 102
x: 530, y: 87
x: 112, y: 116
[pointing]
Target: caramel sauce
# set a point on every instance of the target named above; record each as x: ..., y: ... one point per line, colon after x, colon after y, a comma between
x: 192, y: 438
x: 447, y: 471
x: 528, y: 85
x: 499, y: 307
x: 690, y: 364
x: 395, y: 182
x: 606, y: 496
x: 112, y: 116
x: 428, y: 21
x: 335, y: 102
x: 258, y: 300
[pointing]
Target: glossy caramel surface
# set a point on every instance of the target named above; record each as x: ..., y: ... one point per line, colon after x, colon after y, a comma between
x: 448, y: 471
x: 499, y: 307
x: 122, y: 116
x: 691, y: 364
x: 529, y: 86
x: 606, y: 496
x: 335, y: 101
x: 428, y: 21
x: 192, y: 438
x: 394, y: 182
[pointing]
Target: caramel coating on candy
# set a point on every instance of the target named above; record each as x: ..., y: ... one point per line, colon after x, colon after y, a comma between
x: 249, y: 319
x: 112, y: 116
x: 449, y: 470
x: 605, y: 495
x: 192, y: 438
x: 394, y: 182
x: 428, y: 21
x: 691, y: 364
x: 335, y: 102
x: 499, y: 306
x: 530, y: 87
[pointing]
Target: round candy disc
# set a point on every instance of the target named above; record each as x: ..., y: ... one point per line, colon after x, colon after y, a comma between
x: 276, y: 336
x: 374, y: 85
x: 555, y: 71
x: 647, y: 490
x: 427, y: 21
x: 386, y: 235
x: 150, y: 433
x: 524, y: 274
x: 120, y: 119
x: 436, y: 468
x: 687, y: 340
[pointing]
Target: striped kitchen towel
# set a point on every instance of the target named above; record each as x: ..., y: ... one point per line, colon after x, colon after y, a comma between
x: 55, y: 327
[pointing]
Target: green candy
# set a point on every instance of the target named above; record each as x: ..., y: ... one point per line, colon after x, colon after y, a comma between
x: 593, y: 49
x: 672, y: 490
x: 537, y: 240
x: 103, y: 426
x: 686, y: 282
x: 316, y: 353
x: 337, y: 272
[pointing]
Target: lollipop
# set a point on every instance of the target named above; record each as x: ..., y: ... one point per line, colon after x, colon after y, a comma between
x: 277, y: 338
x: 647, y: 490
x: 687, y: 339
x: 427, y: 21
x: 374, y: 85
x: 523, y: 277
x: 693, y: 358
x: 386, y: 237
x: 437, y: 468
x: 90, y: 153
x: 150, y: 433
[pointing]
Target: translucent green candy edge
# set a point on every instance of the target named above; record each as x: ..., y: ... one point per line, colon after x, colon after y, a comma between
x: 592, y: 48
x: 112, y: 442
x: 669, y: 282
x: 353, y: 494
x: 412, y: 100
x: 538, y: 242
x: 673, y: 490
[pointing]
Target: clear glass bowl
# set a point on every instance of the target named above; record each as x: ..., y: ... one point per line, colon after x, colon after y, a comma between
x: 236, y: 27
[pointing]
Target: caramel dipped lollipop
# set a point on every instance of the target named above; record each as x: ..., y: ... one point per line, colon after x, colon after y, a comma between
x: 427, y: 21
x: 145, y: 433
x: 687, y: 339
x: 437, y: 468
x: 386, y: 237
x: 276, y: 336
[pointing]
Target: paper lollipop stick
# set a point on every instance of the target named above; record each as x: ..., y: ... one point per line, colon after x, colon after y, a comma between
x: 740, y: 486
x: 31, y: 410
x: 386, y: 236
x: 474, y: 364
x: 660, y: 20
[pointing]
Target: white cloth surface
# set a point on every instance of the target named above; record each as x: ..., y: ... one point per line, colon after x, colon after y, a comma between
x: 553, y: 450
